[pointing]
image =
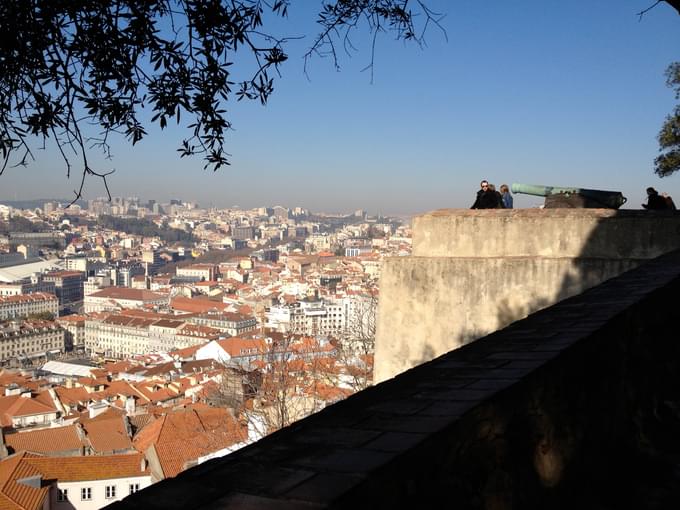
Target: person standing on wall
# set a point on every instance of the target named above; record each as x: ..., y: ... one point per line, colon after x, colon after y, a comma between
x: 655, y: 202
x: 506, y: 197
x: 669, y: 202
x: 486, y: 198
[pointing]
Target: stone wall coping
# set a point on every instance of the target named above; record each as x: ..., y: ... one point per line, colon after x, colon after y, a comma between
x: 550, y: 213
x: 320, y: 461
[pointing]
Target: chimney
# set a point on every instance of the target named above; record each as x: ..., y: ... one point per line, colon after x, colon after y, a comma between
x: 130, y: 406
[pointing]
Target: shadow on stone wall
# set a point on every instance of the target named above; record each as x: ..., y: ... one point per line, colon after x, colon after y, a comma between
x: 603, y: 429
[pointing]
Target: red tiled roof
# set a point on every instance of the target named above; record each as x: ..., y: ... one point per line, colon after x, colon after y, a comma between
x: 196, y: 305
x: 236, y: 346
x: 187, y: 352
x: 15, y: 495
x: 64, y: 274
x: 72, y: 396
x: 107, y: 435
x: 96, y: 467
x: 16, y: 405
x: 154, y: 393
x: 128, y: 294
x: 139, y: 421
x: 183, y: 436
x: 45, y: 441
x: 28, y: 298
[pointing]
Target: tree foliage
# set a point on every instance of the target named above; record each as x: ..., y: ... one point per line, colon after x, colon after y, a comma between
x: 70, y: 64
x: 668, y: 161
x: 144, y: 228
x: 21, y: 224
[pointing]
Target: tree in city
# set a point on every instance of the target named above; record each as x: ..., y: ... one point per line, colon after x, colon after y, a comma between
x: 356, y: 346
x: 76, y: 72
x: 668, y: 161
x: 277, y: 392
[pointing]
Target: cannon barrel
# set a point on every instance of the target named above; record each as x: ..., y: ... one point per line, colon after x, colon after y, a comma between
x: 610, y: 199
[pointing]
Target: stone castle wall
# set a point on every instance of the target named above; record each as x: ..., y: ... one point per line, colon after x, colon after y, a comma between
x: 475, y: 271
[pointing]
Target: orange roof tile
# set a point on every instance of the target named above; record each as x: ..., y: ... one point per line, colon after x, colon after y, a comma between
x: 72, y: 396
x: 16, y: 495
x: 96, y: 467
x: 15, y: 405
x: 185, y: 435
x: 107, y: 435
x: 196, y: 305
x: 236, y: 346
x: 45, y: 441
x: 187, y: 352
x: 128, y: 294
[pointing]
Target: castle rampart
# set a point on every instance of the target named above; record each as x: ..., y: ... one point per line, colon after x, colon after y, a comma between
x: 475, y: 271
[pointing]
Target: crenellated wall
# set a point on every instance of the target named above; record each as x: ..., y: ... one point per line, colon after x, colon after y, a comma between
x: 575, y: 406
x: 475, y: 271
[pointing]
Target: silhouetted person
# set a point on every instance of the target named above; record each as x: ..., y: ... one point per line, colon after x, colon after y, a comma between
x: 669, y: 202
x: 655, y: 202
x: 486, y: 198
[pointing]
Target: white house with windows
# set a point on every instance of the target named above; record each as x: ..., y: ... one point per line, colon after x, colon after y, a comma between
x: 68, y: 483
x: 97, y: 481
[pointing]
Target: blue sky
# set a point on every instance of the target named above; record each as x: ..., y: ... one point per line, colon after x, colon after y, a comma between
x: 556, y: 93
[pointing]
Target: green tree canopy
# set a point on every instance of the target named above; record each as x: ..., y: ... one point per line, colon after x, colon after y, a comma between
x: 668, y: 161
x: 144, y: 228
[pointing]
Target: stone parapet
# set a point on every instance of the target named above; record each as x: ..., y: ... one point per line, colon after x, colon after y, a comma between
x: 475, y: 271
x: 575, y: 406
x: 571, y: 233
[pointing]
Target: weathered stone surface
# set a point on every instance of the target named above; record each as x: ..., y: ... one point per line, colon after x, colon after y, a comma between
x: 475, y: 271
x: 594, y: 427
x: 570, y: 233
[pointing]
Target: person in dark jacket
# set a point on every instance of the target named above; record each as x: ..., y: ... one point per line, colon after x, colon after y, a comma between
x: 669, y: 201
x: 499, y: 197
x: 486, y: 198
x: 655, y: 201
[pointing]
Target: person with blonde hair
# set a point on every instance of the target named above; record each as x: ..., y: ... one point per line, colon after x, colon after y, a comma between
x: 506, y: 197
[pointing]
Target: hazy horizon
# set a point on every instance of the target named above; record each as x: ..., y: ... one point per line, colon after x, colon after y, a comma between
x: 563, y: 96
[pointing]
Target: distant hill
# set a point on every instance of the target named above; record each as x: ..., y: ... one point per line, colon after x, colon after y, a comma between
x: 39, y: 202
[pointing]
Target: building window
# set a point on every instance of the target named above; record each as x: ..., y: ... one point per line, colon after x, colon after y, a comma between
x: 134, y: 487
x: 62, y: 494
x: 110, y: 491
x: 86, y: 493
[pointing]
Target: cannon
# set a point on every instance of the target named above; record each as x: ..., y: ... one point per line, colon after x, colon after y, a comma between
x: 563, y: 196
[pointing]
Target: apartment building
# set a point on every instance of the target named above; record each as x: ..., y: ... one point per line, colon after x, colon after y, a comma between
x: 120, y: 336
x: 168, y: 334
x: 117, y: 336
x: 114, y: 298
x: 27, y: 286
x: 30, y: 339
x: 74, y: 331
x: 242, y: 232
x: 152, y: 261
x: 68, y: 287
x: 198, y: 272
x: 313, y: 318
x: 234, y: 324
x: 34, y: 482
x: 21, y: 408
x: 24, y: 305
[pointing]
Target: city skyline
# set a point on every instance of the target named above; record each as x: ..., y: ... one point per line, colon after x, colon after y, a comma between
x: 562, y: 96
